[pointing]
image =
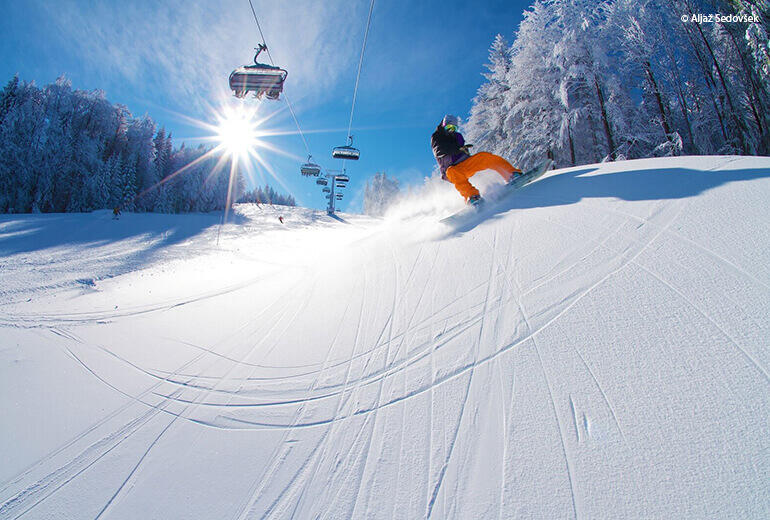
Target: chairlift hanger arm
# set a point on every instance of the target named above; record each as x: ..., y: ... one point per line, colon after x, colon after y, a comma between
x: 259, y: 48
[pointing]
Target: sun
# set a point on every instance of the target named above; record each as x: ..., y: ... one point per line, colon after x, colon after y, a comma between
x: 237, y: 132
x: 241, y: 138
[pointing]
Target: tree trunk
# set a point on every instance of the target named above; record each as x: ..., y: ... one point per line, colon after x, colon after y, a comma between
x: 710, y: 83
x: 597, y: 155
x: 682, y: 100
x: 740, y: 127
x: 605, y: 120
x: 658, y: 98
x: 755, y: 93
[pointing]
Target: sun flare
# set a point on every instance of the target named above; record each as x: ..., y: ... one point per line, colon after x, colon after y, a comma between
x: 241, y: 136
x: 237, y: 132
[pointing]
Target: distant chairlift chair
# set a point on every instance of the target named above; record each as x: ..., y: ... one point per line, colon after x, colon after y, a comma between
x: 310, y: 169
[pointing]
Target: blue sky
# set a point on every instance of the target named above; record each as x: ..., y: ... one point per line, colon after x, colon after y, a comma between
x: 171, y: 60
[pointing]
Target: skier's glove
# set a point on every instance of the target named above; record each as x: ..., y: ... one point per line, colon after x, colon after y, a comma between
x: 466, y: 149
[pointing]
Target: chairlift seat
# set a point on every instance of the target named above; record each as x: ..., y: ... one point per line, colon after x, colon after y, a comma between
x: 310, y: 169
x: 326, y: 189
x: 346, y: 152
x: 343, y: 178
x: 261, y: 79
x: 321, y: 181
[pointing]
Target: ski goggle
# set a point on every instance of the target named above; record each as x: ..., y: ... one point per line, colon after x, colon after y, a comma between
x: 450, y: 128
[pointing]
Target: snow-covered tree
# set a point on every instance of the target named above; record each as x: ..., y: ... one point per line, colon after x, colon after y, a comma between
x: 591, y: 80
x: 72, y: 150
x: 757, y: 32
x: 532, y: 105
x: 486, y: 124
x: 379, y: 193
x: 267, y: 195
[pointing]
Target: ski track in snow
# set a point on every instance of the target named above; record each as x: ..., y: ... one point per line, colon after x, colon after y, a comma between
x: 397, y: 369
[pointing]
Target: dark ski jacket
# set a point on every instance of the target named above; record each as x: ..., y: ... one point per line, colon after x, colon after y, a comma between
x: 446, y: 148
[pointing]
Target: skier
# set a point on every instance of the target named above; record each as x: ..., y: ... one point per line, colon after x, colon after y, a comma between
x: 458, y: 165
x: 116, y: 213
x: 281, y: 219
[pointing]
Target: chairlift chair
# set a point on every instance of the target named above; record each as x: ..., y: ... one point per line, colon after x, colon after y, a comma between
x: 339, y: 196
x: 321, y: 181
x: 326, y: 189
x: 346, y: 152
x: 260, y: 78
x: 310, y: 169
x: 341, y: 185
x: 343, y: 178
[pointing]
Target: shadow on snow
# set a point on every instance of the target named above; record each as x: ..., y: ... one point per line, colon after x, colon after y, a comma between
x: 27, y: 233
x: 630, y: 185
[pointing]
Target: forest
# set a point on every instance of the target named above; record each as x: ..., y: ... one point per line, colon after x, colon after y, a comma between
x: 589, y: 81
x: 68, y: 150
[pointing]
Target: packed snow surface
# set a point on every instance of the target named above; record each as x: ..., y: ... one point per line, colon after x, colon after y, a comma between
x: 596, y: 348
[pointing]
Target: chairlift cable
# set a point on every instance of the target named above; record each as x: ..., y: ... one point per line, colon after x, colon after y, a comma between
x: 259, y: 28
x: 360, y: 63
x: 296, y: 122
x: 288, y: 103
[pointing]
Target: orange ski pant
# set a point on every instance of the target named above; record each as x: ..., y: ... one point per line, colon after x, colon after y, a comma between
x: 459, y: 173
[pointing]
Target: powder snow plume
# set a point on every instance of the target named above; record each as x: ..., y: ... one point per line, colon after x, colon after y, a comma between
x: 437, y: 198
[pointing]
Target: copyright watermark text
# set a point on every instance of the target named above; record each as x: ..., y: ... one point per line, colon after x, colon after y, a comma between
x: 719, y: 18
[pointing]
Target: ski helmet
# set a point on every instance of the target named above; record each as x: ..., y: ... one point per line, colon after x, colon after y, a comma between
x: 449, y: 119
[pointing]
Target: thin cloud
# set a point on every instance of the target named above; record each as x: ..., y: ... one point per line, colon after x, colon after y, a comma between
x: 184, y: 49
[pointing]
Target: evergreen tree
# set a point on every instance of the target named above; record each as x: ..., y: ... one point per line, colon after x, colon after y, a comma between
x: 486, y: 124
x: 71, y: 150
x: 379, y: 193
x: 8, y: 96
x: 266, y: 195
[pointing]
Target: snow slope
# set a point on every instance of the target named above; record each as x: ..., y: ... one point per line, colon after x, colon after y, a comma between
x: 598, y: 348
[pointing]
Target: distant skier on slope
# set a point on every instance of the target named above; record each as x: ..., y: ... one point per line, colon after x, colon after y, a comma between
x: 458, y: 165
